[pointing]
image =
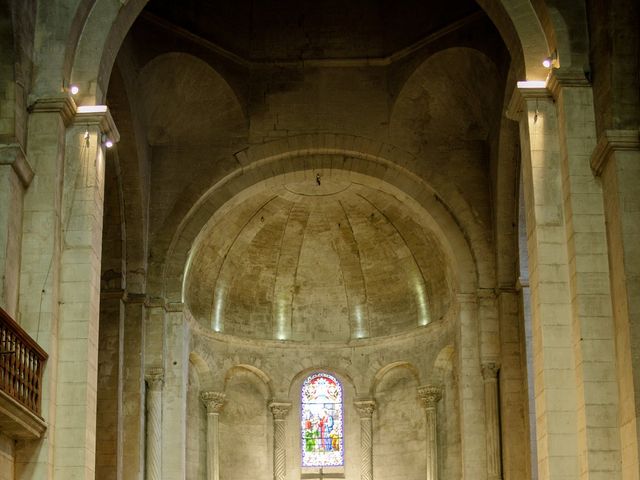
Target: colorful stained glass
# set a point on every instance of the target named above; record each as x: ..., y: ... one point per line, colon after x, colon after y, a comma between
x: 322, y: 421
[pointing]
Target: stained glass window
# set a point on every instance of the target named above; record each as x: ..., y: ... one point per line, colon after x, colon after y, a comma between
x: 322, y: 421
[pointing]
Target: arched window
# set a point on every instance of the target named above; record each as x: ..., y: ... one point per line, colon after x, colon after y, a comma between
x: 322, y: 426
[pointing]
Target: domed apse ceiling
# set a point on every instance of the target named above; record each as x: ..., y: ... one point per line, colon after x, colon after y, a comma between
x: 317, y: 262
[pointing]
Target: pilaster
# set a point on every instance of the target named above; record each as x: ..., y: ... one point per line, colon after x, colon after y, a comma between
x: 616, y: 160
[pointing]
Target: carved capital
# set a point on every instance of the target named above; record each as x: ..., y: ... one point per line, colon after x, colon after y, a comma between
x: 154, y: 378
x: 430, y: 395
x: 365, y: 408
x: 100, y: 116
x: 214, y: 401
x: 490, y: 371
x: 280, y: 410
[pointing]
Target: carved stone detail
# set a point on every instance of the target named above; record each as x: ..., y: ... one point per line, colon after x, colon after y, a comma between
x: 214, y: 401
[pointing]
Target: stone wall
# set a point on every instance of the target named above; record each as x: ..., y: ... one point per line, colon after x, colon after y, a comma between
x: 7, y: 458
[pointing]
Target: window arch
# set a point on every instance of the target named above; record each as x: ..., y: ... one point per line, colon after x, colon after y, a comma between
x: 322, y: 425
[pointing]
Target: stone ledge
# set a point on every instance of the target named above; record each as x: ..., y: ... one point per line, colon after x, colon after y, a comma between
x: 13, y: 154
x: 611, y: 141
x: 17, y: 422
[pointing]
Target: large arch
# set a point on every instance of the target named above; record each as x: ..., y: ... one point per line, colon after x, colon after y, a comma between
x: 342, y: 155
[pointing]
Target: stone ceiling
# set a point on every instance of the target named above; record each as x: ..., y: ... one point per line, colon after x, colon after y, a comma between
x: 317, y: 262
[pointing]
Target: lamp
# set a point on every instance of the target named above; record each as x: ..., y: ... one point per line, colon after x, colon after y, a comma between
x: 551, y: 61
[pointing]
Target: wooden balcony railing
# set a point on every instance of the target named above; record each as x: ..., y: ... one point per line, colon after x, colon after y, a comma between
x: 21, y: 363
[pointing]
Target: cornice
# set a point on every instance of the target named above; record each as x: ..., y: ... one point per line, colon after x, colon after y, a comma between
x: 100, y: 116
x: 62, y: 104
x: 13, y: 154
x: 612, y: 141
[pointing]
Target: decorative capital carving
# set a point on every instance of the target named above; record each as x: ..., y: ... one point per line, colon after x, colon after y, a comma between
x: 214, y: 401
x: 430, y: 395
x: 365, y: 408
x: 490, y: 371
x: 154, y: 378
x: 610, y: 142
x: 280, y: 410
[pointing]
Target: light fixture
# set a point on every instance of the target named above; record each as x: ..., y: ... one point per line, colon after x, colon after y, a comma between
x: 106, y: 141
x: 74, y: 89
x: 551, y: 61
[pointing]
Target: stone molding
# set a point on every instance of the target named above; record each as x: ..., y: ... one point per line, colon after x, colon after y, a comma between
x: 13, y: 154
x: 517, y: 105
x: 559, y: 79
x: 612, y: 141
x: 154, y: 378
x: 280, y: 410
x: 430, y: 395
x: 213, y: 401
x: 61, y: 104
x: 365, y: 408
x: 100, y: 116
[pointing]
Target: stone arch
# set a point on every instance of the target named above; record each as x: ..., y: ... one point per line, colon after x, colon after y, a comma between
x: 203, y: 370
x: 443, y: 364
x: 521, y: 28
x: 381, y: 373
x: 332, y: 154
x: 98, y: 29
x: 340, y: 373
x: 254, y: 372
x: 169, y: 107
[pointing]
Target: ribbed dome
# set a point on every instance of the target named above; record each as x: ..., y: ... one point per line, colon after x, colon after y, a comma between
x: 327, y: 262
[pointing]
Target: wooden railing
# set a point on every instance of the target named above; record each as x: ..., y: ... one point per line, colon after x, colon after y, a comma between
x: 21, y: 363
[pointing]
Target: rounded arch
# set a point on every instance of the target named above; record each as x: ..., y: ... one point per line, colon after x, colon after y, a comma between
x: 98, y: 29
x: 523, y: 33
x: 253, y: 372
x: 443, y: 364
x: 380, y: 374
x: 202, y: 369
x: 343, y: 376
x: 381, y: 165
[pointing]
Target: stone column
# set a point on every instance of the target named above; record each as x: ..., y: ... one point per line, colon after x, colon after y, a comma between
x: 490, y: 376
x: 365, y: 409
x: 214, y: 402
x: 280, y: 410
x: 430, y: 395
x: 155, y: 381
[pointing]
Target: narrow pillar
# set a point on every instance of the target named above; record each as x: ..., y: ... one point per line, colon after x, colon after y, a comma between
x: 365, y: 409
x: 430, y: 395
x: 280, y: 410
x: 155, y: 380
x: 490, y: 376
x: 213, y: 401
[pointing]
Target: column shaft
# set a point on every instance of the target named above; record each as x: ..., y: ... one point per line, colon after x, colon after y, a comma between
x: 365, y: 409
x: 494, y: 466
x: 214, y: 402
x: 430, y: 395
x: 279, y: 411
x: 154, y: 380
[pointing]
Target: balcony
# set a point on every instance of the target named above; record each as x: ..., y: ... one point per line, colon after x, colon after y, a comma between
x: 22, y: 361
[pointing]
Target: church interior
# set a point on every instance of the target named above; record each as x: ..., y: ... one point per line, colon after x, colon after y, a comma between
x: 283, y: 240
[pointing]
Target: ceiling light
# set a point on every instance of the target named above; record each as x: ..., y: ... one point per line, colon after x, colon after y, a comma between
x: 551, y: 61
